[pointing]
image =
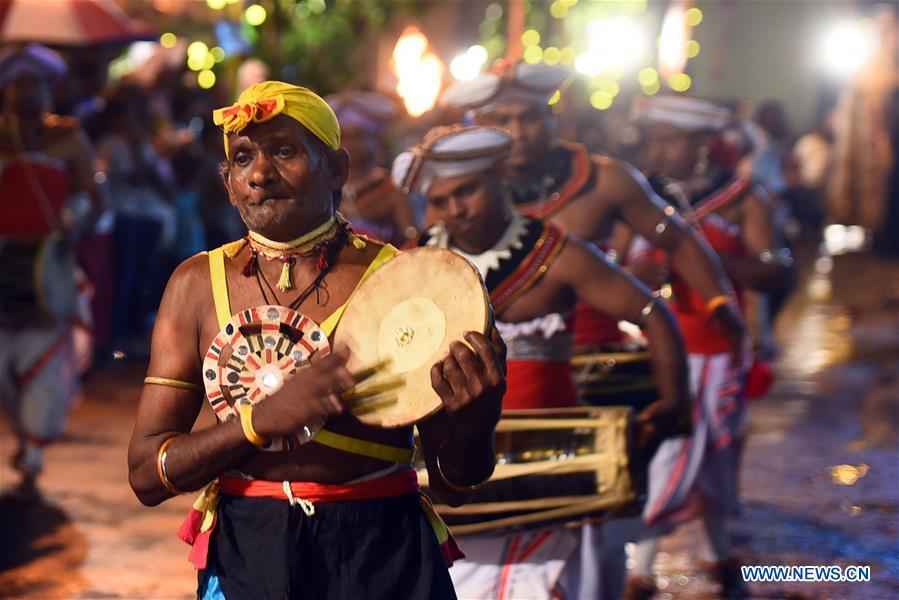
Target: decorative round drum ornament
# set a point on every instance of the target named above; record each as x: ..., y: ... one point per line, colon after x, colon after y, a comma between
x: 253, y: 355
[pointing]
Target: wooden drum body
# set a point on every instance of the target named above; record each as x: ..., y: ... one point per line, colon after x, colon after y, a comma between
x: 553, y: 466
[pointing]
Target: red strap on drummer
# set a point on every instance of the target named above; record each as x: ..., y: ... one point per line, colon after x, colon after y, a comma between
x: 397, y: 484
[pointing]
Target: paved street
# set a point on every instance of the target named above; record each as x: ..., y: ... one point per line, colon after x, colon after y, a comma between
x: 819, y: 477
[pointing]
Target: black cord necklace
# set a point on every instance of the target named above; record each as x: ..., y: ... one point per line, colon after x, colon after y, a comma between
x: 328, y: 257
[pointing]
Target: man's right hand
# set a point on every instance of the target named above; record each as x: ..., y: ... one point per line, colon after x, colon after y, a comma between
x: 307, y: 399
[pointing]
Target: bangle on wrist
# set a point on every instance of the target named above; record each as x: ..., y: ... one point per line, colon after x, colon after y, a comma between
x: 716, y: 302
x: 246, y: 422
x: 160, y: 466
x: 467, y: 489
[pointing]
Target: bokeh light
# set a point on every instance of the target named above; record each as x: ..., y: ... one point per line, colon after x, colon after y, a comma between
x: 693, y: 16
x: 552, y: 55
x: 648, y: 76
x: 692, y: 49
x: 206, y: 79
x: 610, y: 88
x: 168, y: 40
x: 847, y: 48
x: 531, y: 37
x: 652, y: 88
x: 255, y: 15
x: 197, y: 50
x: 680, y: 82
x: 533, y: 54
x: 558, y: 9
x: 601, y: 100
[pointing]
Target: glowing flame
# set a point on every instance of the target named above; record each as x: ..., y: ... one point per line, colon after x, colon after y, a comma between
x: 673, y: 41
x: 419, y: 71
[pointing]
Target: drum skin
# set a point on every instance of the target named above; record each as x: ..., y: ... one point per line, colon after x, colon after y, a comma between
x: 407, y: 313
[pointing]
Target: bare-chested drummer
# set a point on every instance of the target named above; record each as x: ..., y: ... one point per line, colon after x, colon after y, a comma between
x: 585, y: 195
x: 534, y: 274
x: 338, y: 517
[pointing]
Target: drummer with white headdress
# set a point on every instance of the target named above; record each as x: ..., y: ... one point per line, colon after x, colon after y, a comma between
x: 44, y: 160
x: 369, y: 199
x: 534, y: 273
x: 697, y: 476
x: 583, y: 194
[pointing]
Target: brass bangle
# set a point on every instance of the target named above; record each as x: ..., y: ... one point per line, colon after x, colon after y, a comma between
x: 716, y: 302
x: 465, y: 489
x: 246, y: 422
x: 160, y: 466
x: 175, y: 383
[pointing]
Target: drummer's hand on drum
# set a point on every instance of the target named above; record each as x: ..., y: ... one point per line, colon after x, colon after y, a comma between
x: 471, y: 382
x: 307, y: 399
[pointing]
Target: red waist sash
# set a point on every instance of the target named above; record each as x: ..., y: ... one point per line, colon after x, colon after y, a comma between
x: 197, y: 527
x: 397, y: 484
x: 539, y: 384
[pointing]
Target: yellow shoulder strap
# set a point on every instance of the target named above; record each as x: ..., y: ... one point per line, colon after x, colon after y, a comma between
x: 386, y: 253
x: 219, y: 286
x: 353, y: 445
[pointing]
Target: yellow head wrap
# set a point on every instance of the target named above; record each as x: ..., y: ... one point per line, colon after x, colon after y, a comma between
x: 263, y: 101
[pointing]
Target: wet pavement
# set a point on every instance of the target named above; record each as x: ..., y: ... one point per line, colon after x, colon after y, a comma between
x: 820, y: 476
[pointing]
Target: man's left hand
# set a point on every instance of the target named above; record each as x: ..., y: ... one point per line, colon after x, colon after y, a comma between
x: 471, y: 382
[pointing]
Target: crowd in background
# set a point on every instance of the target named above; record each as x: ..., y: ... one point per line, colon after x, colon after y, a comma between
x: 158, y: 153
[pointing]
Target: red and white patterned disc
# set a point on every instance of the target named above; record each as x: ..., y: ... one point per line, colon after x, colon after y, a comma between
x: 253, y: 355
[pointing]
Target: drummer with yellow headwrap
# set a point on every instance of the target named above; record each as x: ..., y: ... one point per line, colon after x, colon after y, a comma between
x: 339, y: 516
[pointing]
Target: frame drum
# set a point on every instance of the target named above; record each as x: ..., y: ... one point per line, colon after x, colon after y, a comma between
x: 404, y: 316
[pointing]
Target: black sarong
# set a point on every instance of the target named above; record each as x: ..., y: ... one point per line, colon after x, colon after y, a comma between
x: 263, y: 548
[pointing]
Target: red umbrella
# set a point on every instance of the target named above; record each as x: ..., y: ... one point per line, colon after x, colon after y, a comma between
x: 67, y: 22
